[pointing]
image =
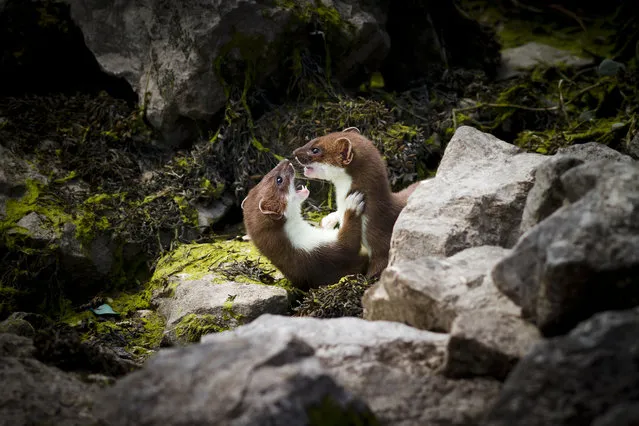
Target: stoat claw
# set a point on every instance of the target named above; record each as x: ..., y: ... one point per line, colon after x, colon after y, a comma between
x: 355, y: 202
x: 330, y: 221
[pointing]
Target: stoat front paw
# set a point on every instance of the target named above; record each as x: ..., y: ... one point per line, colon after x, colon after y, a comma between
x: 355, y: 202
x: 330, y: 221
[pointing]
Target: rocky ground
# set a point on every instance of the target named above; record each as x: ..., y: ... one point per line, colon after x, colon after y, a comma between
x: 510, y: 293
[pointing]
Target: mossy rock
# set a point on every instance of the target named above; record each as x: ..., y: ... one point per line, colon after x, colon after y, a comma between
x: 197, y: 286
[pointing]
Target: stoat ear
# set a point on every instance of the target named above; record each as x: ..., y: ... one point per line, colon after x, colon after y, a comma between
x: 351, y: 129
x: 243, y: 201
x: 271, y: 207
x: 346, y: 150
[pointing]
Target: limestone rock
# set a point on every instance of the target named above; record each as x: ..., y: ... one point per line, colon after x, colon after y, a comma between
x: 389, y: 365
x: 547, y: 194
x: 476, y: 199
x: 584, y: 258
x: 36, y: 394
x: 219, y: 305
x: 525, y: 57
x: 487, y: 343
x: 174, y: 54
x: 273, y: 379
x: 593, y: 151
x: 587, y: 377
x: 429, y: 293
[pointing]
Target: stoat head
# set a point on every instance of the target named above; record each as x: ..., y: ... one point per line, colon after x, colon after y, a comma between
x: 327, y: 157
x: 276, y: 196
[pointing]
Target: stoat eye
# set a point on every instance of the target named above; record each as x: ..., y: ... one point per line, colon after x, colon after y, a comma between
x: 315, y: 150
x: 279, y: 180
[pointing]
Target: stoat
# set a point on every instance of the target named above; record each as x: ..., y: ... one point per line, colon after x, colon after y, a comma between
x: 352, y: 163
x: 308, y: 256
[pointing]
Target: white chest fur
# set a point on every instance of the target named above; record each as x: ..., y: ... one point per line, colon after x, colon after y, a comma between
x: 303, y: 235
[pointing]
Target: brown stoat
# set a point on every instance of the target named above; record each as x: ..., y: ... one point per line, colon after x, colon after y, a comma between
x: 308, y: 256
x: 352, y: 163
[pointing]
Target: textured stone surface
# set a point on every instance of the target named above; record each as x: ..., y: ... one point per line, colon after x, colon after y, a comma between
x: 429, y: 293
x: 590, y: 374
x: 476, y: 199
x: 584, y: 258
x: 172, y: 52
x: 36, y: 394
x: 390, y: 365
x: 231, y: 303
x: 271, y: 379
x: 487, y: 343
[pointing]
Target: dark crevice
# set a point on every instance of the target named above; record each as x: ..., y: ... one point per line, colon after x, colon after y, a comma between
x: 43, y: 52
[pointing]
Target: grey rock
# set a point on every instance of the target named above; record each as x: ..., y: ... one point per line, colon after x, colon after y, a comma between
x: 476, y: 199
x: 36, y: 394
x: 584, y: 258
x: 525, y: 57
x: 575, y: 379
x: 170, y: 53
x: 593, y: 151
x: 210, y: 214
x: 610, y: 67
x: 487, y: 343
x: 13, y: 345
x: 390, y: 365
x: 430, y: 293
x: 17, y: 326
x: 36, y: 229
x: 547, y: 194
x: 230, y: 303
x: 273, y: 379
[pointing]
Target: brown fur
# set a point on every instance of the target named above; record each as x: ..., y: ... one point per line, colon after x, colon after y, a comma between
x: 323, y: 265
x: 364, y: 164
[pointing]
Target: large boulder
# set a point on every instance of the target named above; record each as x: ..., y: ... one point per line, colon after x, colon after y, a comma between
x: 176, y: 56
x: 270, y: 379
x: 389, y: 365
x: 430, y: 293
x: 476, y: 199
x: 590, y: 376
x: 584, y: 258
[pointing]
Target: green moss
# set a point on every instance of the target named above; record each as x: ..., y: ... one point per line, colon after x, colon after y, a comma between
x: 229, y: 313
x: 192, y: 327
x: 199, y: 260
x: 330, y: 412
x: 187, y: 212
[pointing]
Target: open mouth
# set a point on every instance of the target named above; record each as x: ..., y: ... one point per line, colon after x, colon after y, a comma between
x: 306, y: 167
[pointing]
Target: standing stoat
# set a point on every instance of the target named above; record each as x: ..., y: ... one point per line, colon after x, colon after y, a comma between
x: 352, y: 163
x: 308, y: 256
